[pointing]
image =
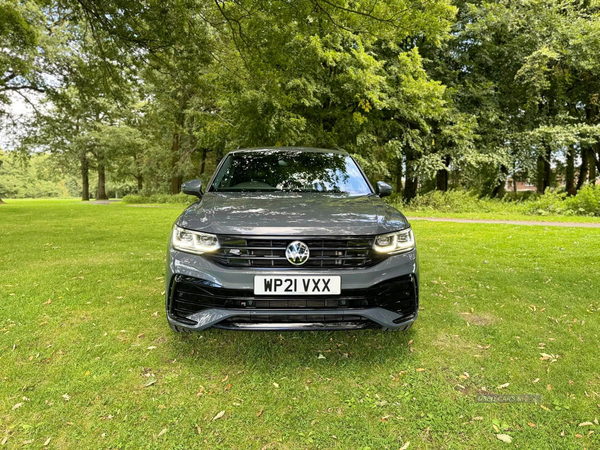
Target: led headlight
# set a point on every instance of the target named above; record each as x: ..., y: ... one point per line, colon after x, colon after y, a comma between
x: 394, y: 243
x: 193, y: 241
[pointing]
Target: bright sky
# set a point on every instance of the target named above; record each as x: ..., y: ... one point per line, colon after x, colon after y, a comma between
x: 18, y: 110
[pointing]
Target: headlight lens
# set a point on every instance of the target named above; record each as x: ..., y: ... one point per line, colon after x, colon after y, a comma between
x: 193, y: 241
x: 393, y: 243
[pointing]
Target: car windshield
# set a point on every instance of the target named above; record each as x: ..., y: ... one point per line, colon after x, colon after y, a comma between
x: 291, y: 171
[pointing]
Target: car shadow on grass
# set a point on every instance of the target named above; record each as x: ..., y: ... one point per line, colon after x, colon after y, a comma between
x: 266, y: 350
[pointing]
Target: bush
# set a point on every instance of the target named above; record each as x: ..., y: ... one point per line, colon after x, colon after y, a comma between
x: 458, y: 201
x: 585, y: 203
x: 552, y: 202
x: 172, y: 199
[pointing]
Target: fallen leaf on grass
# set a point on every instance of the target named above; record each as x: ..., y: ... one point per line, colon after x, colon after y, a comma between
x: 47, y: 442
x: 536, y: 380
x: 276, y: 385
x: 198, y: 429
x: 531, y: 424
x: 260, y: 412
x: 547, y: 357
x: 502, y: 386
x: 545, y: 408
x: 405, y: 446
x: 420, y: 369
x: 17, y: 406
x: 504, y: 438
x: 67, y: 397
x: 585, y: 424
x: 225, y: 379
x: 228, y: 387
x: 150, y: 383
x: 218, y: 416
x: 4, y: 440
x: 321, y: 356
x: 163, y: 431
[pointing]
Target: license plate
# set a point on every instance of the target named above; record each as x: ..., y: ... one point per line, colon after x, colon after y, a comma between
x: 297, y: 285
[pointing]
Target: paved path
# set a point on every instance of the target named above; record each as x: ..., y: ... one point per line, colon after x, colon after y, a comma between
x: 102, y: 202
x: 511, y: 222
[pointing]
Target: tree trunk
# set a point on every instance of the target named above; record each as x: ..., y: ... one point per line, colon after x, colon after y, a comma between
x: 443, y: 175
x: 1, y: 202
x: 176, y: 178
x: 598, y: 156
x: 500, y: 188
x: 570, y: 172
x: 101, y: 192
x: 592, y: 164
x: 140, y: 182
x: 539, y: 181
x: 203, y: 165
x: 547, y: 169
x: 583, y: 170
x: 399, y: 173
x: 85, y: 177
x: 412, y: 179
x: 544, y: 171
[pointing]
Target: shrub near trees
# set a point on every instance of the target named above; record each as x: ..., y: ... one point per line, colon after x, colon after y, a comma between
x: 426, y: 96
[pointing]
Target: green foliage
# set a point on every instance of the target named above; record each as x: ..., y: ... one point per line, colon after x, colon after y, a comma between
x: 35, y: 177
x: 553, y: 202
x: 457, y: 201
x: 159, y: 92
x: 176, y: 199
x: 585, y: 203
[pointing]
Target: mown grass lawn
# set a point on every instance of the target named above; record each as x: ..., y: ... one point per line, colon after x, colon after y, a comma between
x: 88, y: 361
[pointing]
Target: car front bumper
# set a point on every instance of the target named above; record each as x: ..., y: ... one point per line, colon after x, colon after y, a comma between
x: 202, y: 294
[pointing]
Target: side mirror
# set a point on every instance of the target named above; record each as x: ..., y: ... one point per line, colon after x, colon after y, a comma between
x: 192, y: 187
x: 383, y: 189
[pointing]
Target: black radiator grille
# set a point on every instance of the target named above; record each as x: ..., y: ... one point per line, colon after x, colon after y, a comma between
x: 338, y: 252
x: 190, y: 295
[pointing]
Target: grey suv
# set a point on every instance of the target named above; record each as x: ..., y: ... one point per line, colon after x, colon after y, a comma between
x: 291, y: 239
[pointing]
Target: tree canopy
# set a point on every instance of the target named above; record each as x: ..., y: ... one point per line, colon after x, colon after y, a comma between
x: 426, y: 95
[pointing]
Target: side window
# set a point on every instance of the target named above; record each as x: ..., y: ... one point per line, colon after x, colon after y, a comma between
x: 224, y: 176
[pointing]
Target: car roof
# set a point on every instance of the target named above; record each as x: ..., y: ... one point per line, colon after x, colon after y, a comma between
x: 289, y: 149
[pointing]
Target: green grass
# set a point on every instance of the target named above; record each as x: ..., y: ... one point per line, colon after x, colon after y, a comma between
x: 86, y: 352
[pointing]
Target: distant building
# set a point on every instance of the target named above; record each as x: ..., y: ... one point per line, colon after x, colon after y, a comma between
x: 521, y: 185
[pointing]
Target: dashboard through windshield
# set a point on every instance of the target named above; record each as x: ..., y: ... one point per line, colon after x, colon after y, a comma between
x: 290, y: 171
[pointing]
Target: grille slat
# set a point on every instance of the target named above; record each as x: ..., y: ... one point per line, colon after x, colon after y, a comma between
x: 339, y: 252
x: 190, y: 295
